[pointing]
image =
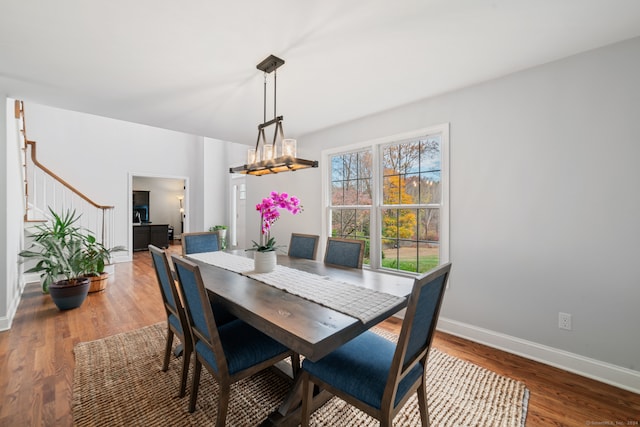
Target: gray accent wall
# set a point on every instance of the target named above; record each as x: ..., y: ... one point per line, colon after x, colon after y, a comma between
x: 544, y: 207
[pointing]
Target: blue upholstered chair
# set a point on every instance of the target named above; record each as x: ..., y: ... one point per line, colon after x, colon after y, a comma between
x: 206, y: 241
x: 376, y: 375
x: 303, y: 245
x: 176, y: 316
x: 231, y: 351
x: 344, y: 252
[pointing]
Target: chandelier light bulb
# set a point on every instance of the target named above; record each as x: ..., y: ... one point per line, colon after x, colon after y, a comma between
x: 289, y: 147
x: 251, y: 156
x: 267, y: 152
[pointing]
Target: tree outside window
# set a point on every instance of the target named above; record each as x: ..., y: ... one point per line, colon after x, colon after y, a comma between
x: 410, y: 198
x: 351, y: 191
x: 407, y: 207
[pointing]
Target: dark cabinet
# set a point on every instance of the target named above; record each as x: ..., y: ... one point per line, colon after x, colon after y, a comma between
x: 141, y: 237
x: 141, y: 207
x: 140, y: 198
x: 159, y: 235
x: 154, y: 234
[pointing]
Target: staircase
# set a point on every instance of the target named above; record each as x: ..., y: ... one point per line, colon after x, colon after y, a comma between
x: 44, y: 190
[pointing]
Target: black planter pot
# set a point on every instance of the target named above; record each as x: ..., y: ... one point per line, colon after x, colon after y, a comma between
x: 67, y: 296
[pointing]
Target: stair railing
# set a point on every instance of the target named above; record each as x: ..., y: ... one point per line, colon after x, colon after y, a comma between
x: 44, y: 189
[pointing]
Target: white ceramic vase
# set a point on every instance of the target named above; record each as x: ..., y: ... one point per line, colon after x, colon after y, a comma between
x: 264, y: 262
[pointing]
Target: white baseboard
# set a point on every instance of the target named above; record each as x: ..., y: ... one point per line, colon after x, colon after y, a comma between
x: 6, y: 321
x: 617, y: 376
x: 29, y: 278
x: 121, y: 258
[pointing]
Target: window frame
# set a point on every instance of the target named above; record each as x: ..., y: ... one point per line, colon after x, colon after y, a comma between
x: 376, y: 146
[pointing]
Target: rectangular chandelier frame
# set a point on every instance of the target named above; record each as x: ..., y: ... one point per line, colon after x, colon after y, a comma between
x: 285, y: 162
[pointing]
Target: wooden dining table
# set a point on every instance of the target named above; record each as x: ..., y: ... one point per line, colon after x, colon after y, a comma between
x: 308, y: 328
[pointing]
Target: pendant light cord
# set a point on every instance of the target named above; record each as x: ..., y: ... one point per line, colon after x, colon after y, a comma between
x: 264, y: 100
x: 275, y: 96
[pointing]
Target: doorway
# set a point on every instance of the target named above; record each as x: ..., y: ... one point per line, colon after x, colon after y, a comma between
x: 164, y: 202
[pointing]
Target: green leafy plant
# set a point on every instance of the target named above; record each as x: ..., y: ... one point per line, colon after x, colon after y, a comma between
x: 96, y: 255
x: 64, y: 250
x: 58, y: 249
x: 268, y: 246
x: 222, y: 233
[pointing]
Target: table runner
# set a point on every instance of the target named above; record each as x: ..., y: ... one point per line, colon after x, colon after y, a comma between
x: 353, y: 300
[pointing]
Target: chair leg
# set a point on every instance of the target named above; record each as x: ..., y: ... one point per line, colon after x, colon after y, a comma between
x: 167, y: 350
x: 223, y: 403
x: 386, y: 418
x: 186, y: 361
x: 423, y: 405
x: 307, y: 399
x: 194, y: 385
x: 295, y: 364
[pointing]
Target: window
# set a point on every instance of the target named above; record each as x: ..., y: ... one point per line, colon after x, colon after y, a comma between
x: 393, y: 194
x: 351, y: 196
x: 410, y: 213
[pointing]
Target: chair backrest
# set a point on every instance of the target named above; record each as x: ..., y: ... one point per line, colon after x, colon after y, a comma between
x: 198, y: 310
x: 303, y: 245
x: 167, y: 285
x: 206, y: 241
x: 344, y: 252
x: 419, y: 324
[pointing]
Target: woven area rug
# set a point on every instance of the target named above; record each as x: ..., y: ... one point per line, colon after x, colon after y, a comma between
x: 118, y: 382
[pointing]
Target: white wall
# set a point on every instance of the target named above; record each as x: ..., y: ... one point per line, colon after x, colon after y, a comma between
x: 544, y: 207
x: 216, y: 178
x: 11, y: 212
x: 98, y: 155
x: 5, y: 295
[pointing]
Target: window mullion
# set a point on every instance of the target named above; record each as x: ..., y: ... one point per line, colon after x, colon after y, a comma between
x: 412, y: 206
x: 375, y: 245
x: 350, y: 206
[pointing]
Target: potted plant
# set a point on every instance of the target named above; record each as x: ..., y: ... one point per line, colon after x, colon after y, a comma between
x: 222, y: 233
x: 96, y: 257
x: 265, y: 257
x: 58, y: 249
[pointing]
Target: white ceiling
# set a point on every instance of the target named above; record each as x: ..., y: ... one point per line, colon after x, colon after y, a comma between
x: 190, y: 66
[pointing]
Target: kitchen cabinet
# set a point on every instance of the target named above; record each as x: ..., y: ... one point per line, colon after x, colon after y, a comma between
x: 154, y: 234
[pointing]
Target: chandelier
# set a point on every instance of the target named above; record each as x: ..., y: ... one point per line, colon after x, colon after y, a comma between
x: 279, y: 154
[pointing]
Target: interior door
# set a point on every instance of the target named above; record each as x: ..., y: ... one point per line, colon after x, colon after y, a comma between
x: 238, y: 202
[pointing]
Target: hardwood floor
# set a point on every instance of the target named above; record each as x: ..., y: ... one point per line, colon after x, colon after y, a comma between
x: 37, y: 362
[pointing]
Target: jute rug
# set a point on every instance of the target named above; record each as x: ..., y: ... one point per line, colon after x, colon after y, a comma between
x: 118, y: 382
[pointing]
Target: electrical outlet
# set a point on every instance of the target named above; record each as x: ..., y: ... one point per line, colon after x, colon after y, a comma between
x: 564, y: 321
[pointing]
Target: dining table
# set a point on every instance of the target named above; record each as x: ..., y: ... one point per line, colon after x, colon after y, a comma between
x: 284, y: 305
